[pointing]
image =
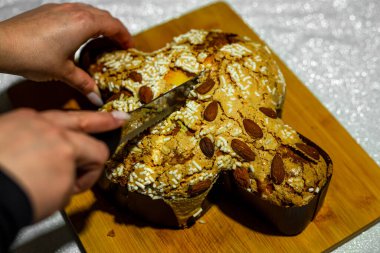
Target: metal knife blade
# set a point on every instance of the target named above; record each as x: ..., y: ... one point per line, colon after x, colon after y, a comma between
x: 148, y: 115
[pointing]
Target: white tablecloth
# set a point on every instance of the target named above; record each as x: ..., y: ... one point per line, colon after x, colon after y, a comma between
x: 333, y: 46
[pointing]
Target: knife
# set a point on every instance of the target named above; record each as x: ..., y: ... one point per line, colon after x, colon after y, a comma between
x: 148, y: 115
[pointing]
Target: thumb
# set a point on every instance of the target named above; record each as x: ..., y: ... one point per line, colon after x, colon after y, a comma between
x: 81, y: 81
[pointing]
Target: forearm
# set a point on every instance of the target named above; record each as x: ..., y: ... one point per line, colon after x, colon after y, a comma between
x: 20, y: 53
x: 5, y: 49
x: 15, y: 210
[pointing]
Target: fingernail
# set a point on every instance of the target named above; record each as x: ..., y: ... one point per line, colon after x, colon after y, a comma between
x: 97, y: 91
x: 95, y: 98
x: 121, y: 115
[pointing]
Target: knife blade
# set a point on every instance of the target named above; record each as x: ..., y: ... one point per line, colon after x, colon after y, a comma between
x: 148, y: 115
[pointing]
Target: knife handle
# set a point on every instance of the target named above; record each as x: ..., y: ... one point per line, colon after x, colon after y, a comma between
x: 110, y: 138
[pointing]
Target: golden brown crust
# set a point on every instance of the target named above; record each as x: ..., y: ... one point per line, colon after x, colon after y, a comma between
x: 229, y: 121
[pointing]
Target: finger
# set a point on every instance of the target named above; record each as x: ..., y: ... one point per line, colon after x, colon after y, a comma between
x: 90, y: 156
x: 87, y: 121
x: 86, y: 177
x: 111, y: 27
x: 81, y: 81
x: 120, y: 35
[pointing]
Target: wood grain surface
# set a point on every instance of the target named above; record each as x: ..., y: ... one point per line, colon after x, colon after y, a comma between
x: 351, y: 205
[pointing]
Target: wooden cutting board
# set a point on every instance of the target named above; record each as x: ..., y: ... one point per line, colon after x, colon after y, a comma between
x: 352, y: 203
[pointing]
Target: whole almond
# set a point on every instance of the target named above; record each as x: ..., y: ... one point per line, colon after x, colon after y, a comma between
x: 218, y: 40
x: 206, y: 86
x: 211, y: 111
x: 242, y: 177
x: 207, y: 147
x: 199, y: 187
x: 308, y: 150
x: 268, y: 112
x: 243, y: 150
x: 135, y: 76
x: 145, y: 94
x: 296, y: 158
x: 232, y: 38
x: 277, y: 169
x: 252, y: 129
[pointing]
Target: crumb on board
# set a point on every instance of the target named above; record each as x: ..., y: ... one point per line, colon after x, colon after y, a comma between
x: 111, y: 233
x: 201, y: 221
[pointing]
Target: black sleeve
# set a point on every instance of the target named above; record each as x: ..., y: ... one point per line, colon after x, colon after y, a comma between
x: 15, y: 211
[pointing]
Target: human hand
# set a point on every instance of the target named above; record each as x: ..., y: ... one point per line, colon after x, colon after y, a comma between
x: 49, y: 155
x: 40, y: 44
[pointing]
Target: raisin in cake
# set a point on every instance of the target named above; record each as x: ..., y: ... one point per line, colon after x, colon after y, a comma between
x: 229, y: 127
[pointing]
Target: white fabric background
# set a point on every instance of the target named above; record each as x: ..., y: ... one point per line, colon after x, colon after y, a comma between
x: 333, y: 46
